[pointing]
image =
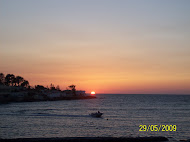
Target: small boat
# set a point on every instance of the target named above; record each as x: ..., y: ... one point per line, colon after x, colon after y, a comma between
x: 96, y: 114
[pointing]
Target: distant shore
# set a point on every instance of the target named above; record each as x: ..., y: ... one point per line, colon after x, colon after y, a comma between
x: 87, y: 139
x: 17, y: 89
x: 40, y: 93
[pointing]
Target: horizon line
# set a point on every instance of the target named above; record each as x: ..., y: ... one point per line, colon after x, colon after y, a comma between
x: 138, y: 94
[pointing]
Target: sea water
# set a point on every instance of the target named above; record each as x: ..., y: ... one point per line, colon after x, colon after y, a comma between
x: 123, y: 114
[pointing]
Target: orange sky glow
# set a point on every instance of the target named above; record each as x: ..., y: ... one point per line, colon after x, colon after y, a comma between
x: 108, y: 48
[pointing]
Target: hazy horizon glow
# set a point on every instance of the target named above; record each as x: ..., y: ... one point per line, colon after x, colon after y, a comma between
x: 108, y: 46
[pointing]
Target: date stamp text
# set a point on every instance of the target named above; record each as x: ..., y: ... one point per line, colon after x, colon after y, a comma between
x: 157, y: 128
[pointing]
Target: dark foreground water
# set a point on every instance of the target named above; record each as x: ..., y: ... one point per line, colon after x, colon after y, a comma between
x: 122, y: 116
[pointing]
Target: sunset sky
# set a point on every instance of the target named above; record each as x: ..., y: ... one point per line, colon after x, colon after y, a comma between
x: 108, y: 46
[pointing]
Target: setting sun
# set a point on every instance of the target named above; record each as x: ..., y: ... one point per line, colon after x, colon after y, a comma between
x: 93, y: 93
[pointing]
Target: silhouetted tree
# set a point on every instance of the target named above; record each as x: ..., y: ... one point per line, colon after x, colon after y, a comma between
x: 52, y: 87
x: 25, y: 83
x: 9, y: 79
x: 14, y: 82
x: 19, y: 80
x: 47, y: 87
x: 73, y: 89
x: 2, y: 78
x: 39, y: 87
x: 57, y: 88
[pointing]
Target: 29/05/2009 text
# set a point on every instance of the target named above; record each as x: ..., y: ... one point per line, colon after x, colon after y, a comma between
x: 157, y: 128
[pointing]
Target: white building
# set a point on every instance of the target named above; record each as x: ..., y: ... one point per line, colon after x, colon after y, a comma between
x: 80, y: 93
x: 54, y: 94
